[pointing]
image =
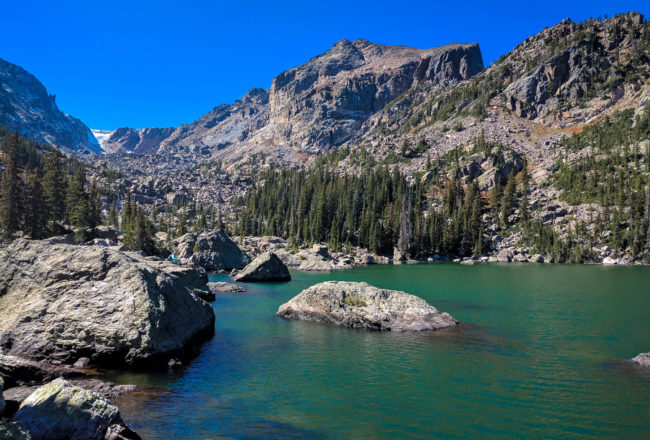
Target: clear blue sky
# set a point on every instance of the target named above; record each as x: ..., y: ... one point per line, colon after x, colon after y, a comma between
x: 163, y: 63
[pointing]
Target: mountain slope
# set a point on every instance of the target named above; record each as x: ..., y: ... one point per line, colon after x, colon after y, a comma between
x: 26, y: 106
x: 132, y: 140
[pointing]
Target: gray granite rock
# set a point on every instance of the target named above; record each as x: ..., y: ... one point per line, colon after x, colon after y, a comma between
x: 361, y: 305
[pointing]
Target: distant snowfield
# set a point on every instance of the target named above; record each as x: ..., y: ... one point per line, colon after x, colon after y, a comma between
x: 102, y: 136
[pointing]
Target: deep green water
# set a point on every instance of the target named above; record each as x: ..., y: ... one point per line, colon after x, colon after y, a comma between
x: 537, y: 358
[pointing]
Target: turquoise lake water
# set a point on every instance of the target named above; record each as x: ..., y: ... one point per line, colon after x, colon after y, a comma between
x: 537, y: 356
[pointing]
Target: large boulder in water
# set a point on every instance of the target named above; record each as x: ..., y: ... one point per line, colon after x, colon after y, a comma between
x: 60, y: 410
x: 361, y: 305
x: 61, y: 302
x: 642, y: 360
x: 266, y: 267
x: 212, y: 249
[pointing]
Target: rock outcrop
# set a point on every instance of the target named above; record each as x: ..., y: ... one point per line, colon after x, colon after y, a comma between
x: 211, y: 249
x: 26, y: 106
x: 361, y: 305
x: 266, y: 267
x: 62, y: 302
x: 60, y: 410
x: 642, y: 360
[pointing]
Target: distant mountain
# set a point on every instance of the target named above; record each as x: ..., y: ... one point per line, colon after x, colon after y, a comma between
x: 132, y: 140
x: 26, y: 106
x: 322, y: 103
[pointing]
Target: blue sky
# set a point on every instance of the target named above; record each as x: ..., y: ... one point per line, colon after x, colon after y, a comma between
x: 163, y: 63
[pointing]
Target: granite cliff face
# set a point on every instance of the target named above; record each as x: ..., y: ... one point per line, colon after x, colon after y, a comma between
x: 322, y: 103
x: 26, y: 106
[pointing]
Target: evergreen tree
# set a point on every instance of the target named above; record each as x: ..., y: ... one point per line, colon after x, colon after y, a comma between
x: 10, y: 208
x: 78, y: 206
x: 35, y: 211
x: 54, y: 190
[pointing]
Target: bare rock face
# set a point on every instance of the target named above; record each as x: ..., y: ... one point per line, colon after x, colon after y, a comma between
x: 60, y: 410
x: 26, y: 106
x: 361, y: 305
x: 642, y: 360
x: 323, y: 102
x: 266, y: 267
x: 61, y: 302
x: 213, y: 250
x: 225, y: 125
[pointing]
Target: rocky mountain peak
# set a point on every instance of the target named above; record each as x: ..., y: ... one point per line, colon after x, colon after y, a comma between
x: 26, y: 106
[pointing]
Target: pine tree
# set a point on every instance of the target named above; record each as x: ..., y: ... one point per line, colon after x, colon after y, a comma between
x: 35, y: 212
x: 77, y: 202
x: 11, y: 188
x: 54, y: 190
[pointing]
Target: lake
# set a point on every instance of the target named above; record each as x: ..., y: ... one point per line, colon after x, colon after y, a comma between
x: 537, y: 356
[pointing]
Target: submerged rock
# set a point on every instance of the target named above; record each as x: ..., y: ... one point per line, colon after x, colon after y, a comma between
x: 213, y: 250
x: 361, y: 305
x: 13, y: 431
x: 60, y: 410
x: 222, y: 286
x: 642, y: 360
x: 62, y: 302
x: 266, y: 267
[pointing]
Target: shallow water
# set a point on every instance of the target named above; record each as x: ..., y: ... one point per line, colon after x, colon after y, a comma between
x: 538, y: 357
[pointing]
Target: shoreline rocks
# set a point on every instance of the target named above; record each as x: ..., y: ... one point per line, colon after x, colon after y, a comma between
x: 266, y: 267
x: 360, y: 305
x: 60, y: 410
x: 62, y: 302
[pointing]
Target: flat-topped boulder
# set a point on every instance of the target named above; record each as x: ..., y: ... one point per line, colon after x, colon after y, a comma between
x: 360, y: 305
x: 642, y: 360
x: 266, y: 267
x: 60, y: 410
x: 211, y: 249
x: 61, y: 302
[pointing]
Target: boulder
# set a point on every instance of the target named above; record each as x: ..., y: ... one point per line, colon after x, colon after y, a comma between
x: 642, y: 360
x: 361, y: 305
x: 211, y: 249
x: 505, y: 255
x: 13, y: 431
x: 60, y: 410
x: 62, y: 302
x: 266, y: 267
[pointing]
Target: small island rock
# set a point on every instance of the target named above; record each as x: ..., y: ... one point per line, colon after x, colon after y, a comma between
x: 361, y: 305
x: 642, y: 360
x: 266, y: 267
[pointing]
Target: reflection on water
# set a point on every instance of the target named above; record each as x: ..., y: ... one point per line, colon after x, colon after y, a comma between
x: 531, y: 360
